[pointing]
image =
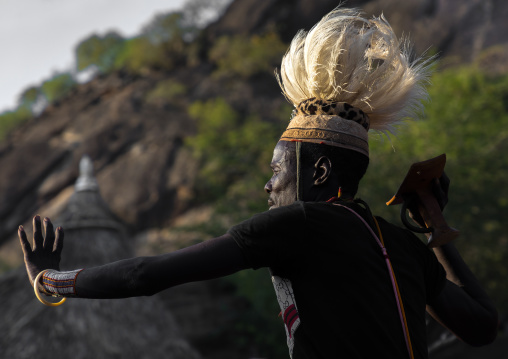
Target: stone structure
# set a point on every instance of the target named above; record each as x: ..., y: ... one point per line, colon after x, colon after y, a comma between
x: 127, y: 328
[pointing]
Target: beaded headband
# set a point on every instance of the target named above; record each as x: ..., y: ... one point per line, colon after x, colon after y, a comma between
x: 331, y: 123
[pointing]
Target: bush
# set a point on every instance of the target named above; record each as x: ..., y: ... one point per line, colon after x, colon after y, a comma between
x: 165, y: 91
x: 467, y: 118
x: 139, y: 54
x: 57, y: 87
x: 29, y: 96
x: 11, y: 119
x: 235, y: 153
x: 230, y: 147
x: 161, y: 45
x: 244, y: 56
x: 100, y: 51
x: 170, y: 29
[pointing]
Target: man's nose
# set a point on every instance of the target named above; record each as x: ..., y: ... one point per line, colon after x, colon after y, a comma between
x: 268, y: 187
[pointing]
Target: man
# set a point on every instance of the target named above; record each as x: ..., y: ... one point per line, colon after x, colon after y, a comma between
x: 348, y: 283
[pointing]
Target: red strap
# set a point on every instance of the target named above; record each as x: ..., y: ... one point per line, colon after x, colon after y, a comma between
x: 395, y: 286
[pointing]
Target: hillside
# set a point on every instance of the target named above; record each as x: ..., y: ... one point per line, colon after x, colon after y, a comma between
x: 181, y: 151
x: 133, y: 136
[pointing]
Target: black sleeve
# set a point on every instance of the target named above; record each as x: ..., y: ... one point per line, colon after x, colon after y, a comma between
x: 435, y: 276
x: 273, y: 237
x: 463, y: 306
x: 148, y: 275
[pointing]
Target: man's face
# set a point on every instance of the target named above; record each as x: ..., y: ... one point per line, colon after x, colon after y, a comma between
x: 282, y: 186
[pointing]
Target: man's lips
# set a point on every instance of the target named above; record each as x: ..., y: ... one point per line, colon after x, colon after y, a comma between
x: 270, y: 203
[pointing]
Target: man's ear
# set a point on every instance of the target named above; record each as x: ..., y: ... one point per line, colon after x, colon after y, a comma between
x: 323, y: 170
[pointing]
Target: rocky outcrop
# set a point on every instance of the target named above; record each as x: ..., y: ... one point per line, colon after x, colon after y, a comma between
x: 146, y: 173
x: 453, y: 28
x: 135, y: 149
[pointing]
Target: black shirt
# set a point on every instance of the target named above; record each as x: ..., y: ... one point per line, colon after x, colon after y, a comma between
x: 340, y: 282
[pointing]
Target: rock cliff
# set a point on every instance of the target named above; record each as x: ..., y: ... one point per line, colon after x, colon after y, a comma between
x: 145, y: 171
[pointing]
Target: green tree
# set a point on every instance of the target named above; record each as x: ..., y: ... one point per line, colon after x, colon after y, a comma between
x: 247, y: 56
x: 235, y: 152
x: 58, y: 87
x: 161, y: 45
x: 168, y: 28
x: 139, y: 54
x: 100, y: 51
x: 11, y: 119
x: 29, y: 98
x: 467, y: 118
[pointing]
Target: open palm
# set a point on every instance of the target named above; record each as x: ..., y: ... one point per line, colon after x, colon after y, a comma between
x: 47, y: 247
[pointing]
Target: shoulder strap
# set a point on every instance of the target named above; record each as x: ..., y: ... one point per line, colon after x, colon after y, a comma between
x: 395, y: 286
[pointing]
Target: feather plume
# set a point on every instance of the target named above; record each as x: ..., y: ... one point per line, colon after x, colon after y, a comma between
x: 347, y: 58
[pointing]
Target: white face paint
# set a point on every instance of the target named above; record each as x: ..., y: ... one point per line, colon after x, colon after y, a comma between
x: 282, y: 186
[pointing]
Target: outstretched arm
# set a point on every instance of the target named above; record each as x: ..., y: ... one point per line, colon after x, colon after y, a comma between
x: 141, y: 276
x: 131, y: 277
x: 463, y: 306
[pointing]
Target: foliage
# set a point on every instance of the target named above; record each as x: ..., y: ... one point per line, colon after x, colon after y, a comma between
x: 165, y: 91
x: 32, y: 99
x: 29, y: 96
x: 138, y: 54
x: 100, y: 51
x: 161, y: 45
x: 57, y: 87
x: 11, y: 119
x: 168, y: 28
x: 25, y: 109
x: 234, y: 153
x: 467, y: 119
x: 247, y: 56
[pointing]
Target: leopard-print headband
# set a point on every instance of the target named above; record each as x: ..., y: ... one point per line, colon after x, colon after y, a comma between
x: 313, y: 106
x: 331, y: 123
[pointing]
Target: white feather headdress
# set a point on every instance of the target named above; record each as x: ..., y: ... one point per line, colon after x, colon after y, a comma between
x: 347, y: 58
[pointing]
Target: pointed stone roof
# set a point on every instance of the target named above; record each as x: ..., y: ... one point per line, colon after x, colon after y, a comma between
x: 131, y: 328
x: 86, y: 208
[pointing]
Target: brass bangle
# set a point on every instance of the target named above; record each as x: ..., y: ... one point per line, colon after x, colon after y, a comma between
x: 38, y: 294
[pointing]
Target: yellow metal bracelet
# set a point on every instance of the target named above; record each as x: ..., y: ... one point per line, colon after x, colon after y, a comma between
x: 38, y: 294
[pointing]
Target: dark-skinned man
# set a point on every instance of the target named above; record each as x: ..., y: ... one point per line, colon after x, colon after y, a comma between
x: 349, y: 284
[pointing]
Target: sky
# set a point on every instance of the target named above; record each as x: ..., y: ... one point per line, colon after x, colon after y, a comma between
x: 38, y: 37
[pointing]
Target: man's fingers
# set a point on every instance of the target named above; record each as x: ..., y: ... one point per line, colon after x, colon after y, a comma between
x: 37, y: 239
x: 440, y: 190
x: 49, y: 235
x: 25, y: 246
x: 59, y: 240
x: 445, y: 182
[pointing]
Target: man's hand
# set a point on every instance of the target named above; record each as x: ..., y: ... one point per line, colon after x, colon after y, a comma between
x: 439, y: 189
x: 47, y: 249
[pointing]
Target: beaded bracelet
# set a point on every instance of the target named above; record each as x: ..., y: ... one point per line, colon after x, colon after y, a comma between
x: 56, y: 284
